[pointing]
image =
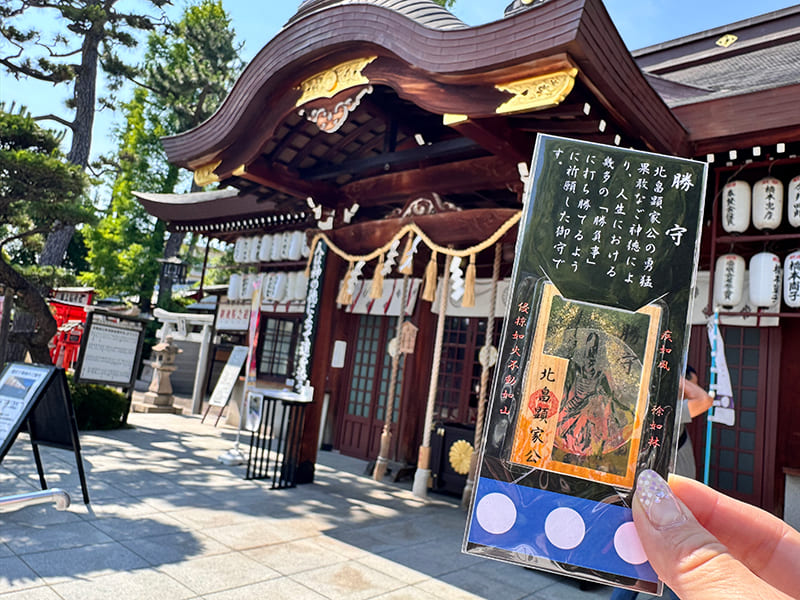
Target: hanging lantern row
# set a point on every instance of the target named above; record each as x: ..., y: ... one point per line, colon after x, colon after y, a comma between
x: 276, y: 287
x: 289, y: 245
x: 764, y: 287
x: 462, y: 283
x: 763, y: 204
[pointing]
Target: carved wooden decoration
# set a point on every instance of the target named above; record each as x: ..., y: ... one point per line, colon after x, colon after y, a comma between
x: 332, y: 81
x: 330, y: 120
x: 542, y: 91
x: 420, y: 207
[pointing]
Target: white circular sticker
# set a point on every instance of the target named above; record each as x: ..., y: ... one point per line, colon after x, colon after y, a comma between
x: 496, y: 513
x: 627, y: 544
x: 565, y: 528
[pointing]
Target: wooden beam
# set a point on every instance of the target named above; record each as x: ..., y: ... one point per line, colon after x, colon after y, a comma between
x: 495, y: 136
x: 453, y: 149
x: 281, y: 179
x: 486, y: 173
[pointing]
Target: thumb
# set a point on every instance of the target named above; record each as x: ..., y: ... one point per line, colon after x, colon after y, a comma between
x: 692, y: 562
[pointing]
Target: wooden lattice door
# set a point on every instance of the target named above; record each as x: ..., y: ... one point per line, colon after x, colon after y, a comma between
x: 739, y: 465
x: 367, y: 389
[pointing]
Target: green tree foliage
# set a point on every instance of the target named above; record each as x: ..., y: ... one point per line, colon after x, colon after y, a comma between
x: 189, y: 72
x: 445, y: 3
x: 192, y: 67
x: 124, y: 246
x: 87, y: 36
x: 39, y: 191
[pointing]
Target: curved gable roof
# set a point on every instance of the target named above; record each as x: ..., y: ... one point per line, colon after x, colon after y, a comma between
x: 425, y: 12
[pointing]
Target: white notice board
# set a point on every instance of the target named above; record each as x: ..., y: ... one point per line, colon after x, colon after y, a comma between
x: 227, y: 379
x: 109, y: 354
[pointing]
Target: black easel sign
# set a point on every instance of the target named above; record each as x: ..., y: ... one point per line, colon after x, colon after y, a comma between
x: 38, y: 395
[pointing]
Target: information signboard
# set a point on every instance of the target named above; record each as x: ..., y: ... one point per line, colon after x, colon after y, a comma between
x: 19, y: 388
x: 110, y: 349
x: 227, y: 379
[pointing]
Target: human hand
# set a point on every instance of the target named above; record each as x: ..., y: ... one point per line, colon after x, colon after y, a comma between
x: 705, y: 545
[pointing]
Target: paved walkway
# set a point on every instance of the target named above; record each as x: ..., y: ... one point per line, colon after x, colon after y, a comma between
x: 168, y: 521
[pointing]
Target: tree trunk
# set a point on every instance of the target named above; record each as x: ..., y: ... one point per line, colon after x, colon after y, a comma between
x: 42, y: 326
x: 84, y: 96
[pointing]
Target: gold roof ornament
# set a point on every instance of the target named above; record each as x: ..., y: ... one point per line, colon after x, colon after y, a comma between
x: 726, y: 40
x: 330, y: 82
x: 542, y: 91
x: 204, y: 175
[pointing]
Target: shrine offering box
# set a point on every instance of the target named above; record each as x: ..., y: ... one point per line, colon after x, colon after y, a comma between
x: 587, y: 384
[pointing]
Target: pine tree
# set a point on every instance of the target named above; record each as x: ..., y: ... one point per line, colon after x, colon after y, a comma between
x: 90, y: 35
x: 39, y: 191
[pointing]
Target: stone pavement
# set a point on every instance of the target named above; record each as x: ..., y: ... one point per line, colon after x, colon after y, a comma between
x: 168, y: 521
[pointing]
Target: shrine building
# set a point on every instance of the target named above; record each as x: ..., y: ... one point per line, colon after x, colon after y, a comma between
x: 372, y: 159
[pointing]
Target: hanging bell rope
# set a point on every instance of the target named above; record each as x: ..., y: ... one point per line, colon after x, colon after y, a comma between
x: 483, y: 392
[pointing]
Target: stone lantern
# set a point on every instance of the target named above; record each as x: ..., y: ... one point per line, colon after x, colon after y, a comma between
x: 158, y: 397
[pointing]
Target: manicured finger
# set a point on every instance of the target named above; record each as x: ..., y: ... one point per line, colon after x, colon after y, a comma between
x: 765, y: 544
x: 691, y: 561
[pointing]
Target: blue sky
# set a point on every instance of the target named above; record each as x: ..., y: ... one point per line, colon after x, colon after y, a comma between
x: 640, y: 23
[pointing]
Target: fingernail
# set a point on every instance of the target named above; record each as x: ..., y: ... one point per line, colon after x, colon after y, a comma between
x: 656, y: 498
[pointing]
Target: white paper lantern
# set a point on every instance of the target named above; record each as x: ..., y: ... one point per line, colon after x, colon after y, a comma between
x: 767, y: 203
x: 286, y: 241
x: 793, y: 202
x: 729, y: 280
x: 281, y: 286
x: 300, y: 286
x: 306, y: 249
x: 736, y: 206
x: 295, y: 251
x: 791, y: 279
x: 277, y: 244
x: 246, y: 292
x: 291, y: 278
x: 240, y: 250
x: 276, y: 287
x: 765, y: 279
x: 265, y: 248
x: 235, y: 287
x: 253, y: 249
x: 269, y: 284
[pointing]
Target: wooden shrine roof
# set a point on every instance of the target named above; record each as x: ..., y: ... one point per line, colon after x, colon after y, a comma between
x: 414, y: 103
x: 736, y: 85
x: 395, y: 143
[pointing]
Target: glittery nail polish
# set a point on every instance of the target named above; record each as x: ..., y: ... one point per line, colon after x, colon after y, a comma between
x: 656, y: 498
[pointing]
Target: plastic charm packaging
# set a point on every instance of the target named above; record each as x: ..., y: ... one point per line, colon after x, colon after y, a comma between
x: 586, y: 387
